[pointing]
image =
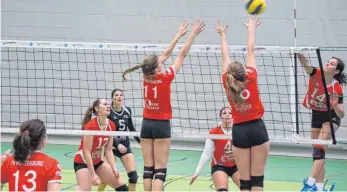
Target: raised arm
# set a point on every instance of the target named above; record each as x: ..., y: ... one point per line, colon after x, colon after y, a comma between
x: 181, y: 32
x: 305, y: 63
x: 196, y: 29
x: 253, y: 22
x: 224, y: 46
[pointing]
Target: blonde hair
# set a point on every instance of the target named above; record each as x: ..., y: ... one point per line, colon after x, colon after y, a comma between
x: 235, y: 81
x: 148, y: 65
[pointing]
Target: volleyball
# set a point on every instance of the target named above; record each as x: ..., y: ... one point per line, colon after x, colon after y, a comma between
x: 255, y: 6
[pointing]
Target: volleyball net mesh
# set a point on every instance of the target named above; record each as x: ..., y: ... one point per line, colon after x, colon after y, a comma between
x: 57, y: 81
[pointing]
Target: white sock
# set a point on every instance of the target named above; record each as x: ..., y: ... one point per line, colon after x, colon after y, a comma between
x: 320, y: 186
x: 311, y: 181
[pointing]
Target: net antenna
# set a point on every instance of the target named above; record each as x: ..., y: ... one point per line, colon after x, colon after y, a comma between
x: 57, y: 81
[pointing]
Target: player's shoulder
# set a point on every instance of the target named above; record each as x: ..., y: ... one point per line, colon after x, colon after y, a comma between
x: 112, y: 125
x: 127, y: 109
x: 91, y: 125
x: 215, y: 130
x: 8, y: 160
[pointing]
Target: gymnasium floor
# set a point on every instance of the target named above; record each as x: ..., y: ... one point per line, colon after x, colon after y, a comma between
x: 282, y: 173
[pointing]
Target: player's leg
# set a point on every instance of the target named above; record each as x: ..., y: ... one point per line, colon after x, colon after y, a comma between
x: 162, y: 142
x: 128, y: 161
x: 102, y: 186
x: 219, y: 178
x: 242, y: 155
x: 83, y: 177
x: 234, y: 174
x: 148, y: 153
x: 107, y: 176
x: 259, y: 154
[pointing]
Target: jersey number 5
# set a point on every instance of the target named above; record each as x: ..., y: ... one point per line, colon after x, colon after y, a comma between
x: 155, y: 90
x: 31, y: 176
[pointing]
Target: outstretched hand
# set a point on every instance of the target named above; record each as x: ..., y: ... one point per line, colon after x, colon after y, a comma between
x: 198, y: 27
x: 195, y: 176
x: 183, y: 28
x: 253, y: 22
x: 221, y: 30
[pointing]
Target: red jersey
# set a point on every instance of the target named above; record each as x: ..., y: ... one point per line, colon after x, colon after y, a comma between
x: 315, y: 98
x: 99, y: 141
x: 157, y: 96
x: 222, y: 154
x: 252, y: 108
x: 32, y: 175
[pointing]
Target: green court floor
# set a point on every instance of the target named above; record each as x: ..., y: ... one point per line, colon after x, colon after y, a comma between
x: 282, y: 173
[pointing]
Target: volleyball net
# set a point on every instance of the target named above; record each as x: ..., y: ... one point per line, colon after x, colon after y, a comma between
x: 57, y: 81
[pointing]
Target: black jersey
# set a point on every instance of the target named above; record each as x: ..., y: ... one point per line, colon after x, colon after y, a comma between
x: 123, y: 122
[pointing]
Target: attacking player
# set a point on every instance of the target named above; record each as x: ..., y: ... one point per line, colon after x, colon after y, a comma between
x: 250, y: 138
x: 89, y: 168
x: 121, y: 116
x: 29, y: 169
x: 316, y: 100
x: 223, y: 165
x: 156, y: 127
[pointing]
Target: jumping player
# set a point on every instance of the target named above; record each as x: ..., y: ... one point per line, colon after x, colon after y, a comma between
x: 29, y: 169
x: 223, y: 165
x: 250, y: 138
x: 156, y: 128
x: 315, y: 99
x: 89, y: 167
x: 121, y: 116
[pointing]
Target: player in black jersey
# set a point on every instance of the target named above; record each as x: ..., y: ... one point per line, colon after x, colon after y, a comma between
x: 121, y: 116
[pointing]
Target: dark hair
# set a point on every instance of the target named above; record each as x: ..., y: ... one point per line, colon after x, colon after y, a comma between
x: 148, y: 65
x: 114, y: 91
x: 88, y: 114
x: 29, y: 138
x: 235, y: 81
x: 341, y: 76
x: 220, y: 112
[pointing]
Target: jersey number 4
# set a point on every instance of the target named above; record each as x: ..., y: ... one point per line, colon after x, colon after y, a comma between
x: 30, y: 176
x: 320, y: 98
x: 155, y: 90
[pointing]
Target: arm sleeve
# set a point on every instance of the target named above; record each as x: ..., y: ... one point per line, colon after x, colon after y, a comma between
x: 55, y: 173
x: 206, y: 154
x: 224, y: 80
x: 339, y: 92
x: 3, y: 169
x: 131, y: 126
x: 314, y: 71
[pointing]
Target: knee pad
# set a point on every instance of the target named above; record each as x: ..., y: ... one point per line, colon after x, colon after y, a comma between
x: 222, y: 189
x: 133, y: 177
x: 257, y: 181
x: 148, y: 172
x: 318, y: 152
x: 122, y: 188
x: 245, y: 185
x: 160, y: 176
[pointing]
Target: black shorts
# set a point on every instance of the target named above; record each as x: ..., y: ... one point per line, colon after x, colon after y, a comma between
x: 228, y: 170
x: 320, y: 117
x: 78, y: 166
x: 155, y: 129
x: 249, y: 134
x: 117, y: 153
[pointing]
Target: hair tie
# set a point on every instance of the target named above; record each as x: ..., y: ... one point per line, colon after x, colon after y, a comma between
x: 26, y: 132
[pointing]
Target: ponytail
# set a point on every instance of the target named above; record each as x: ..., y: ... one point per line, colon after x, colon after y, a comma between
x: 22, y: 147
x: 234, y: 89
x: 131, y: 70
x: 87, y: 116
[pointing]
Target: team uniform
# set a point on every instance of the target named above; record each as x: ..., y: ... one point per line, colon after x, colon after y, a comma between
x: 157, y: 111
x: 249, y: 129
x: 223, y: 158
x: 315, y: 99
x: 32, y: 175
x: 99, y: 141
x: 123, y: 122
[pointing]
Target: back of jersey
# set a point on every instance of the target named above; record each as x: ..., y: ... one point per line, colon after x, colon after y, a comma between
x: 32, y: 175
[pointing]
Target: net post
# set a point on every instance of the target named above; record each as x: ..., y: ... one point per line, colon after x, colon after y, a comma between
x: 326, y: 96
x: 296, y: 93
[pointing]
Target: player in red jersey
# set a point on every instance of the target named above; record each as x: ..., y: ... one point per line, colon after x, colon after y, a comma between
x: 223, y: 165
x: 89, y: 168
x: 250, y: 138
x: 29, y: 169
x: 316, y: 100
x: 156, y: 129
